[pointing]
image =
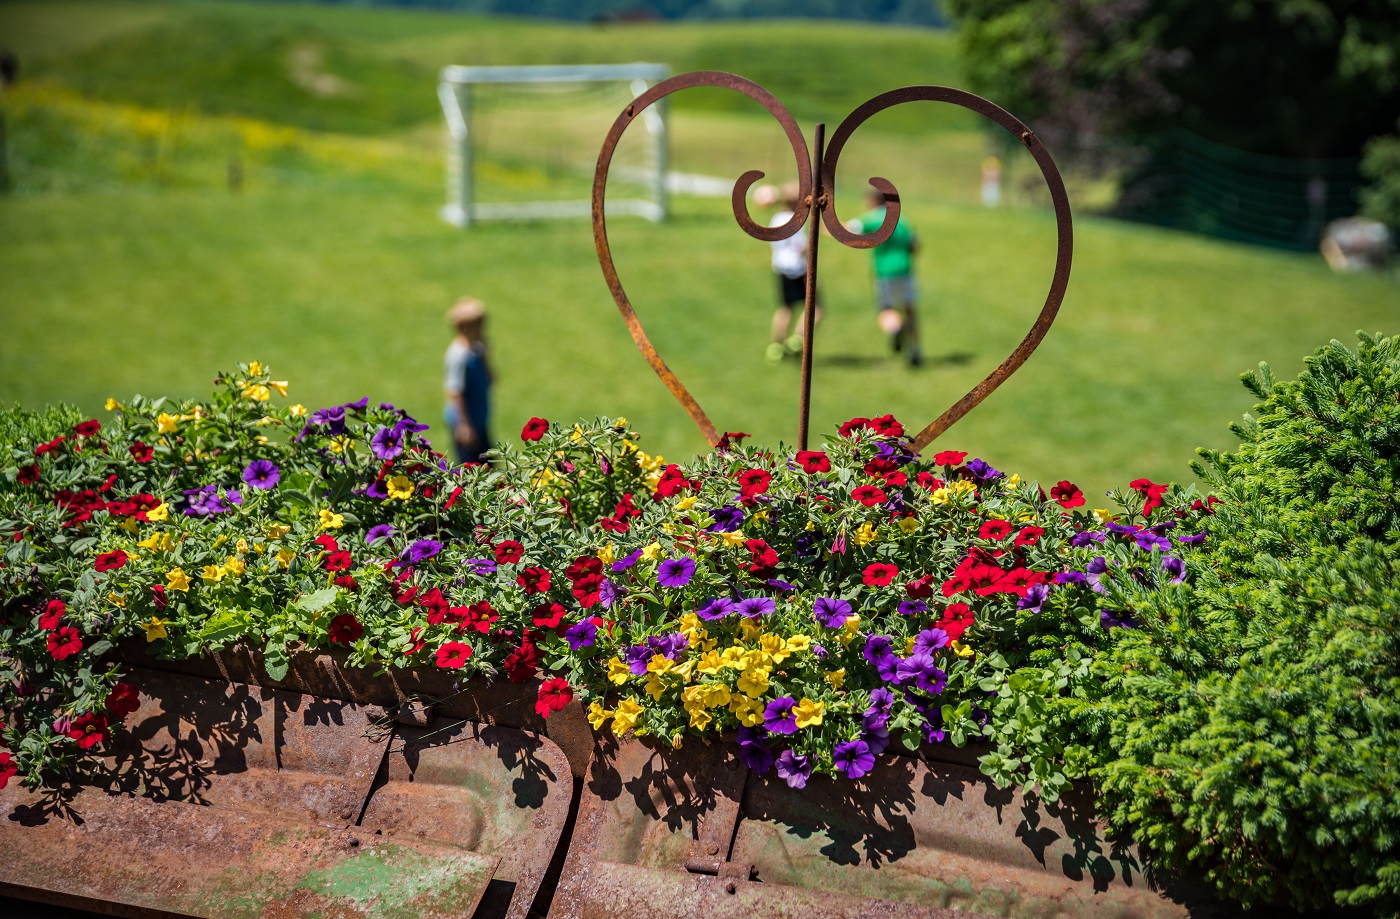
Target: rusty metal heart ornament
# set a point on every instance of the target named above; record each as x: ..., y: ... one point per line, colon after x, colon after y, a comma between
x: 816, y: 173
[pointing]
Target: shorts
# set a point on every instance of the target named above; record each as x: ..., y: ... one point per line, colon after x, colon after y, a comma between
x: 895, y: 293
x: 792, y: 291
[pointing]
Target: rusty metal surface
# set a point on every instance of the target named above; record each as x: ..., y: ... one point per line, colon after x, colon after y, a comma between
x: 129, y: 856
x: 247, y: 747
x: 500, y: 792
x: 658, y: 834
x: 816, y: 190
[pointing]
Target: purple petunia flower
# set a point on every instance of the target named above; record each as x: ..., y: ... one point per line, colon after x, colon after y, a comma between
x: 387, y: 443
x: 637, y: 658
x: 780, y: 585
x: 778, y: 716
x: 482, y: 566
x: 607, y: 593
x: 1192, y: 540
x: 923, y: 672
x: 930, y: 640
x: 715, y: 608
x: 376, y: 489
x: 1117, y: 619
x: 1071, y: 577
x: 912, y: 607
x: 358, y: 405
x: 675, y: 572
x: 754, y: 754
x: 332, y: 419
x: 262, y: 474
x: 878, y: 648
x: 1034, y: 600
x: 933, y: 727
x: 794, y: 769
x: 1097, y: 571
x: 881, y: 701
x: 623, y: 564
x: 753, y: 607
x: 376, y: 533
x: 1148, y: 541
x: 409, y: 425
x: 831, y: 612
x: 581, y: 635
x: 670, y: 646
x: 1175, y: 567
x: 233, y: 496
x: 853, y: 758
x: 982, y: 471
x: 876, y: 734
x: 1080, y: 540
x: 820, y: 651
x: 422, y: 550
x: 727, y: 519
x: 1122, y: 529
x: 204, y: 501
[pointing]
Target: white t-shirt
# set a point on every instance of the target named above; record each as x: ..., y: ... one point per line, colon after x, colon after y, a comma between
x: 789, y: 255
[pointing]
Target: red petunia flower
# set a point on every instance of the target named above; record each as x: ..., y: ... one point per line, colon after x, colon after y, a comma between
x: 813, y: 461
x: 346, y: 629
x: 855, y: 424
x: 583, y: 567
x: 928, y: 480
x: 122, y: 701
x: 761, y: 555
x: 51, y: 445
x: 327, y: 541
x: 731, y: 439
x: 88, y: 428
x: 754, y: 481
x: 587, y: 590
x: 8, y: 769
x: 88, y: 730
x: 109, y: 561
x: 1028, y: 536
x: 672, y: 480
x: 534, y: 429
x: 508, y: 552
x: 435, y: 604
x: 452, y: 498
x: 64, y: 642
x: 994, y: 529
x: 897, y: 479
x: 547, y: 615
x: 1067, y: 494
x: 52, y: 615
x: 1151, y: 491
x: 555, y: 693
x: 142, y: 453
x: 920, y: 589
x: 347, y: 581
x: 950, y: 458
x: 887, y: 426
x: 879, y: 574
x: 28, y: 475
x: 869, y: 495
x: 453, y: 655
x: 534, y: 579
x: 338, y: 561
x: 521, y: 663
x: 405, y: 596
x: 479, y: 616
x: 956, y: 618
x: 158, y: 596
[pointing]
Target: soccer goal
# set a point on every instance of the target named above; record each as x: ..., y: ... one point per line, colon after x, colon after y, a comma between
x: 522, y: 142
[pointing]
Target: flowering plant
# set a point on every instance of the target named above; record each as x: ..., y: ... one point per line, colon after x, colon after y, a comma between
x: 821, y: 605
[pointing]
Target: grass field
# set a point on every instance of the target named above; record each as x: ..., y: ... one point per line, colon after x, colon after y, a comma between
x: 127, y: 265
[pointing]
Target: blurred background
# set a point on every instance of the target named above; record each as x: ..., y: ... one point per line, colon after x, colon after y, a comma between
x: 189, y: 183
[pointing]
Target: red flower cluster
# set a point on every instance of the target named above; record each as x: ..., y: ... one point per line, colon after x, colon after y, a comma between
x: 548, y: 615
x: 479, y: 616
x: 88, y: 428
x: 1151, y: 492
x: 521, y: 663
x: 980, y: 574
x: 435, y: 605
x: 620, y: 521
x: 586, y: 573
x: 869, y: 495
x: 762, y: 558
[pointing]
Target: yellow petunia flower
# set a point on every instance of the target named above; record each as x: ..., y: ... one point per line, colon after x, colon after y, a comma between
x: 159, y: 513
x: 659, y: 664
x: 158, y: 542
x: 213, y: 573
x: 598, y: 716
x: 117, y: 600
x: 297, y: 410
x: 277, y: 530
x: 606, y: 555
x: 256, y: 392
x: 154, y: 629
x: 749, y: 630
x: 748, y: 711
x: 331, y: 520
x: 686, y: 503
x: 399, y: 486
x: 651, y: 551
x: 1103, y: 515
x: 654, y: 687
x: 797, y: 643
x: 280, y: 386
x: 710, y: 663
x: 700, y: 719
x: 808, y: 713
x: 618, y: 672
x: 752, y: 683
x: 940, y: 496
x: 734, y: 538
x: 714, y: 695
x: 112, y: 405
x: 774, y: 647
x: 176, y: 579
x: 1013, y: 480
x: 960, y: 649
x: 626, y: 715
x: 235, y: 566
x: 285, y: 556
x: 836, y: 678
x: 864, y: 534
x: 130, y: 525
x: 166, y: 423
x: 909, y: 524
x: 254, y: 368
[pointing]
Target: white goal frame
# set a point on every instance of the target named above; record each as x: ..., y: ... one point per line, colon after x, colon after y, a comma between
x: 455, y: 94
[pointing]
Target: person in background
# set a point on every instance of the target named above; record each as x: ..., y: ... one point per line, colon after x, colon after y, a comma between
x: 790, y: 267
x: 467, y: 381
x: 893, y: 261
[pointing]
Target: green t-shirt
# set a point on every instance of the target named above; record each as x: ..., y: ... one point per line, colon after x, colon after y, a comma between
x: 893, y: 257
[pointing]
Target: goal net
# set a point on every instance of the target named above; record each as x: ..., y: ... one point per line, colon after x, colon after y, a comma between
x: 522, y: 142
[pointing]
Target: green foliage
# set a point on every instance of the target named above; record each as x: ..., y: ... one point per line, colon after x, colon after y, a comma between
x: 1255, y: 718
x: 1381, y: 164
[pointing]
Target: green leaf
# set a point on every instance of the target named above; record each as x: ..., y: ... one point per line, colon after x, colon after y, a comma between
x: 317, y: 600
x: 276, y: 660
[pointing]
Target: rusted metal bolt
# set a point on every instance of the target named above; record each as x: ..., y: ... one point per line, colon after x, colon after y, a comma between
x: 714, y: 850
x: 347, y: 814
x: 730, y: 887
x: 353, y: 843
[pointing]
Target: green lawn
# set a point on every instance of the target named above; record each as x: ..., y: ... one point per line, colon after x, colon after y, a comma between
x: 331, y: 264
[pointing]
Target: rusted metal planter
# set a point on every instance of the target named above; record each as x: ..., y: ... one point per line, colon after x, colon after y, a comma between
x: 331, y: 792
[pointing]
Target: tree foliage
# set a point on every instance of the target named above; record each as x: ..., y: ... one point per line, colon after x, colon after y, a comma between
x: 1381, y: 201
x: 1255, y: 718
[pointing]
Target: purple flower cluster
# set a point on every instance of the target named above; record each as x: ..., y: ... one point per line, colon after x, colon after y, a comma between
x: 207, y: 501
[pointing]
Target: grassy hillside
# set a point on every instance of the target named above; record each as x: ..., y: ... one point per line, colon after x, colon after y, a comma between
x: 128, y: 264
